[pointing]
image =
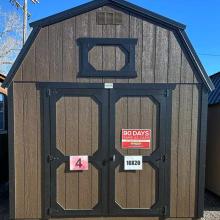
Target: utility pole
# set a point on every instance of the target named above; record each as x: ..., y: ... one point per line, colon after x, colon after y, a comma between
x: 26, y: 14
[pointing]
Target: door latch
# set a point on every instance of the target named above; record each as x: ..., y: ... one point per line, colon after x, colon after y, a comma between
x: 163, y: 158
x: 111, y: 159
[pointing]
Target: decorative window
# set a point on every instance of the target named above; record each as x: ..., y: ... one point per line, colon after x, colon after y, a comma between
x: 124, y: 47
x: 2, y: 112
x: 109, y: 18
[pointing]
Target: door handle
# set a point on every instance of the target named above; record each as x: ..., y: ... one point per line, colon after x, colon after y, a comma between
x: 111, y: 159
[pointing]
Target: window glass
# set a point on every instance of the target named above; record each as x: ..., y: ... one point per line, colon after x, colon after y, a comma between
x: 2, y: 116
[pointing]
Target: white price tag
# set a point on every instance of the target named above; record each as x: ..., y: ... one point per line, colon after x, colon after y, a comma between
x: 133, y: 162
x: 108, y: 85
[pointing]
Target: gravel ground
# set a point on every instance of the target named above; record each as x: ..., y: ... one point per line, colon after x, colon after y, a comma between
x: 212, y: 205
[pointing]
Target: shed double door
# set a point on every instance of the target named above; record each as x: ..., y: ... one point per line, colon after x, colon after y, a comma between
x: 87, y: 120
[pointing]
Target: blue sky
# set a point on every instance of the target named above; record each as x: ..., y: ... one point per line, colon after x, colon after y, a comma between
x: 201, y: 17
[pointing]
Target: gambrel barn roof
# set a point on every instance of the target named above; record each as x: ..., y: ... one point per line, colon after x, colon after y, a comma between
x: 153, y: 17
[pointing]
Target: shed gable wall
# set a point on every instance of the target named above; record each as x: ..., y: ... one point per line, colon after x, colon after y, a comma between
x: 54, y: 55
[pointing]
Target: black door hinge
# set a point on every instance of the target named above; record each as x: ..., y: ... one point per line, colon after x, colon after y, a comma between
x: 48, y: 92
x: 167, y: 93
x: 164, y: 210
x: 49, y: 211
x: 51, y: 158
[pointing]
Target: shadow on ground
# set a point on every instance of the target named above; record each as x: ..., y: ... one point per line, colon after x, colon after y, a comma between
x: 212, y: 202
x: 4, y: 204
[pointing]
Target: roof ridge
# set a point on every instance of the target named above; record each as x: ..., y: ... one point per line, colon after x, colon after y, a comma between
x: 55, y: 18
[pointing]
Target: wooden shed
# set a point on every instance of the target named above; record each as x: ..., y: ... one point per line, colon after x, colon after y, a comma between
x: 107, y: 117
x: 213, y: 139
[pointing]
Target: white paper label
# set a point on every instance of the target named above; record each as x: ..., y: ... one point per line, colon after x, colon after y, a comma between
x: 133, y: 162
x: 108, y: 85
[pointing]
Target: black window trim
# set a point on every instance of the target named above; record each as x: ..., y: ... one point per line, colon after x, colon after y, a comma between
x: 127, y: 45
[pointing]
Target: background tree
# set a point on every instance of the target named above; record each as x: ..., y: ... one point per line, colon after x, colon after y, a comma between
x: 10, y: 39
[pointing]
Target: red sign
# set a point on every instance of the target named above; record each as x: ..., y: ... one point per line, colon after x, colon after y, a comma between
x: 136, y: 138
x: 79, y: 163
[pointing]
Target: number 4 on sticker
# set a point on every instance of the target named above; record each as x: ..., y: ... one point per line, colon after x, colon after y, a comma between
x: 79, y: 163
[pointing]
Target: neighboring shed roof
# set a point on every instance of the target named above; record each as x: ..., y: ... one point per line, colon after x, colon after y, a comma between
x: 214, y: 96
x: 166, y: 22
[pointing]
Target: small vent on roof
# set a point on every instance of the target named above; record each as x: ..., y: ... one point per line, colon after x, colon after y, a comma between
x: 108, y: 18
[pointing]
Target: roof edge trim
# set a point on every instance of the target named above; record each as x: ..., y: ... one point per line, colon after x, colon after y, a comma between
x: 99, y: 3
x: 21, y: 57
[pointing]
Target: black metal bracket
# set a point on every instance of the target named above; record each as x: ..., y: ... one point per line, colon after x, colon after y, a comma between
x: 126, y: 45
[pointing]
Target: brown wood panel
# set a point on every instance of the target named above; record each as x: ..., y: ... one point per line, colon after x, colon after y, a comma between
x: 28, y: 66
x: 153, y: 57
x: 18, y: 76
x: 77, y: 190
x: 148, y: 54
x: 136, y: 31
x: 161, y: 59
x: 71, y: 136
x: 55, y: 52
x: 133, y: 178
x: 85, y: 193
x: 185, y: 126
x: 141, y: 114
x: 82, y: 30
x: 42, y: 55
x: 193, y: 150
x: 174, y: 59
x: 58, y: 39
x: 39, y: 153
x: 121, y: 118
x: 147, y: 176
x: 96, y: 32
x: 154, y: 147
x: 122, y: 31
x: 61, y: 186
x: 30, y: 151
x: 186, y: 70
x: 68, y: 48
x: 174, y: 151
x: 94, y: 148
x: 19, y: 150
x: 109, y: 53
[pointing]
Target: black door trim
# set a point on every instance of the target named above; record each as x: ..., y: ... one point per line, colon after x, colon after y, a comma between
x: 164, y: 98
x: 48, y: 89
x: 53, y: 158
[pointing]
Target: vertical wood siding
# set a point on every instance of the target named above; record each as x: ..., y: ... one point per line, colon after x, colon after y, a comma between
x: 54, y: 57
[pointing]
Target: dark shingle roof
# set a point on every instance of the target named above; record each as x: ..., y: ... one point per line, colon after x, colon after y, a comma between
x: 214, y: 96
